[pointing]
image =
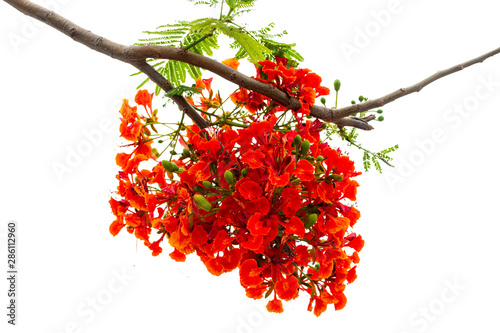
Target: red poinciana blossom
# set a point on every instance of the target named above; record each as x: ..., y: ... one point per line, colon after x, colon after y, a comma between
x: 274, y: 204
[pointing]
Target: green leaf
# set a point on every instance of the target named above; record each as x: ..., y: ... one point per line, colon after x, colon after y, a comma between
x: 254, y: 49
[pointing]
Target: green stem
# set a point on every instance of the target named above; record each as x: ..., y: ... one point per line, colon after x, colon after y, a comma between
x: 199, y: 40
x: 366, y: 150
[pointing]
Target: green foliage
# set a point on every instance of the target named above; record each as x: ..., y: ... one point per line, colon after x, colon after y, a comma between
x: 369, y: 158
x: 274, y: 48
x: 200, y: 36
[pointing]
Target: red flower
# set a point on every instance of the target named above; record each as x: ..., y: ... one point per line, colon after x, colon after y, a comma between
x: 287, y: 287
x: 275, y: 306
x: 250, y: 274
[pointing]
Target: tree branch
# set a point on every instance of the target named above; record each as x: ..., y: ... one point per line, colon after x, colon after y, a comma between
x: 375, y: 103
x: 164, y: 84
x: 137, y: 55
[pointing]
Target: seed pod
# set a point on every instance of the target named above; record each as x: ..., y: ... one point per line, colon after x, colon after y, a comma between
x: 296, y: 140
x: 336, y: 85
x: 207, y: 184
x: 202, y: 202
x: 304, y: 148
x: 228, y: 176
x: 311, y: 219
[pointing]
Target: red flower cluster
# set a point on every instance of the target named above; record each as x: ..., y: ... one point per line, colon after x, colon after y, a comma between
x: 272, y: 203
x: 300, y: 83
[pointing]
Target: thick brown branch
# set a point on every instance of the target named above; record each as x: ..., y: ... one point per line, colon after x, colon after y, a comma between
x: 138, y: 54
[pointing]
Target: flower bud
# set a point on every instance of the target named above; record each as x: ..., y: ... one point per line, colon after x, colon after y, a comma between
x: 244, y: 172
x: 199, y: 189
x: 228, y: 176
x: 336, y: 178
x: 296, y: 140
x: 336, y: 85
x: 304, y: 148
x: 323, y: 100
x: 380, y: 118
x: 167, y: 165
x: 202, y: 202
x: 311, y: 219
x: 207, y: 184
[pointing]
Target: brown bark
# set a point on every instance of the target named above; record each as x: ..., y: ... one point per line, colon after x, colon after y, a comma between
x: 137, y: 55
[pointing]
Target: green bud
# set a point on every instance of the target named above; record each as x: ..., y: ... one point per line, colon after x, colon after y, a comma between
x: 297, y: 140
x: 311, y: 219
x: 160, y: 141
x: 361, y: 98
x: 353, y: 102
x: 176, y: 168
x: 244, y: 172
x: 336, y: 85
x: 186, y: 152
x: 173, y: 152
x: 207, y: 184
x: 156, y: 152
x: 323, y: 100
x: 320, y: 158
x: 380, y: 118
x: 228, y: 176
x: 198, y: 188
x: 202, y: 202
x: 167, y: 165
x: 336, y: 178
x: 304, y: 148
x: 379, y: 111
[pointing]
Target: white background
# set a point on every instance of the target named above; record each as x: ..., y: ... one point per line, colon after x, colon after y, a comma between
x: 430, y: 223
